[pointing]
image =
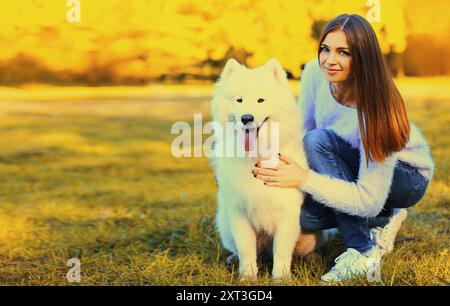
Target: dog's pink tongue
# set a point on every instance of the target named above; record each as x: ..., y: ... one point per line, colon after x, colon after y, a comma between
x: 249, y: 139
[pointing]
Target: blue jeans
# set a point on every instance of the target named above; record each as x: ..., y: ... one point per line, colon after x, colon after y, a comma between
x: 329, y: 154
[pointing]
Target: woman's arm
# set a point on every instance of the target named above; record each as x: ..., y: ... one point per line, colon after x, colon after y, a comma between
x: 365, y: 197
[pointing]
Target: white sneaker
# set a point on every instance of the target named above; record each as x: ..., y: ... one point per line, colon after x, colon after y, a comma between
x: 384, y: 237
x: 351, y: 264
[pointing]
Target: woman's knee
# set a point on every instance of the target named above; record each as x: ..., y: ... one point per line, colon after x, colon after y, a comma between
x: 317, y: 140
x: 310, y: 224
x: 315, y: 216
x: 316, y: 223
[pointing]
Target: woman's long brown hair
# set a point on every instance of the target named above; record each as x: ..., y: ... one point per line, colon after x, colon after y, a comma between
x: 382, y: 117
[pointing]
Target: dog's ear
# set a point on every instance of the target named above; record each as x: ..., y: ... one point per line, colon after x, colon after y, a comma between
x: 276, y: 70
x: 231, y: 66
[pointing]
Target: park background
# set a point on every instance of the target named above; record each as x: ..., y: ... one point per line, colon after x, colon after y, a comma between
x: 87, y: 102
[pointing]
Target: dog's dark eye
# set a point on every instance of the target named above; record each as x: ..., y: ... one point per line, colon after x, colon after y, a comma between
x: 260, y: 100
x: 239, y: 100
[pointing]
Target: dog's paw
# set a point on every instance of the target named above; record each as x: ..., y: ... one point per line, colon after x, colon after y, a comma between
x: 248, y: 278
x: 279, y: 279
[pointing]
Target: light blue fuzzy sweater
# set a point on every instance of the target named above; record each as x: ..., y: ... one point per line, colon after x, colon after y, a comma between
x: 368, y: 195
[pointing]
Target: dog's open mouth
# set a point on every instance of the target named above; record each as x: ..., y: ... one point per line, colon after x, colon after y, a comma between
x: 251, y: 136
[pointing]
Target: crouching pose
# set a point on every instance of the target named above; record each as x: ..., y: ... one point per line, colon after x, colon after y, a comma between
x: 367, y: 163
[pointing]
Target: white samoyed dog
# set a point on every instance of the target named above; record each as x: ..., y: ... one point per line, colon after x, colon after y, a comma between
x: 249, y: 213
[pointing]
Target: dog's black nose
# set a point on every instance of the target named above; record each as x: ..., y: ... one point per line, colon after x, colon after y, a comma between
x: 246, y: 118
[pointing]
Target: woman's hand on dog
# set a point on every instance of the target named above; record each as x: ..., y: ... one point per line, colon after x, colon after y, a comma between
x: 288, y: 174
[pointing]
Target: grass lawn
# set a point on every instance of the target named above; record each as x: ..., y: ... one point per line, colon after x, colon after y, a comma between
x: 87, y: 173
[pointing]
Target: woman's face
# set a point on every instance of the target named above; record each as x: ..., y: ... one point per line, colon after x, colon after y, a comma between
x: 335, y: 57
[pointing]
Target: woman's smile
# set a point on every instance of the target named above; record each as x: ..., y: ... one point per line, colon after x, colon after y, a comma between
x: 331, y: 71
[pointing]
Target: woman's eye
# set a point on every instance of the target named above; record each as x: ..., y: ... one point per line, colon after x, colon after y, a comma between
x: 260, y: 100
x: 344, y: 53
x: 239, y: 100
x: 322, y: 49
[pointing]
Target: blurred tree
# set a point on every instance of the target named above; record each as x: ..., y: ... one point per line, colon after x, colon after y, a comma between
x: 136, y: 41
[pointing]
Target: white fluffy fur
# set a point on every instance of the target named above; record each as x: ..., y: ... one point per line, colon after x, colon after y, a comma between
x: 246, y: 208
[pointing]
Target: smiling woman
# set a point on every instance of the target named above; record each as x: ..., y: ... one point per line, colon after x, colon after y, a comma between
x: 365, y: 159
x: 380, y: 136
x: 334, y: 58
